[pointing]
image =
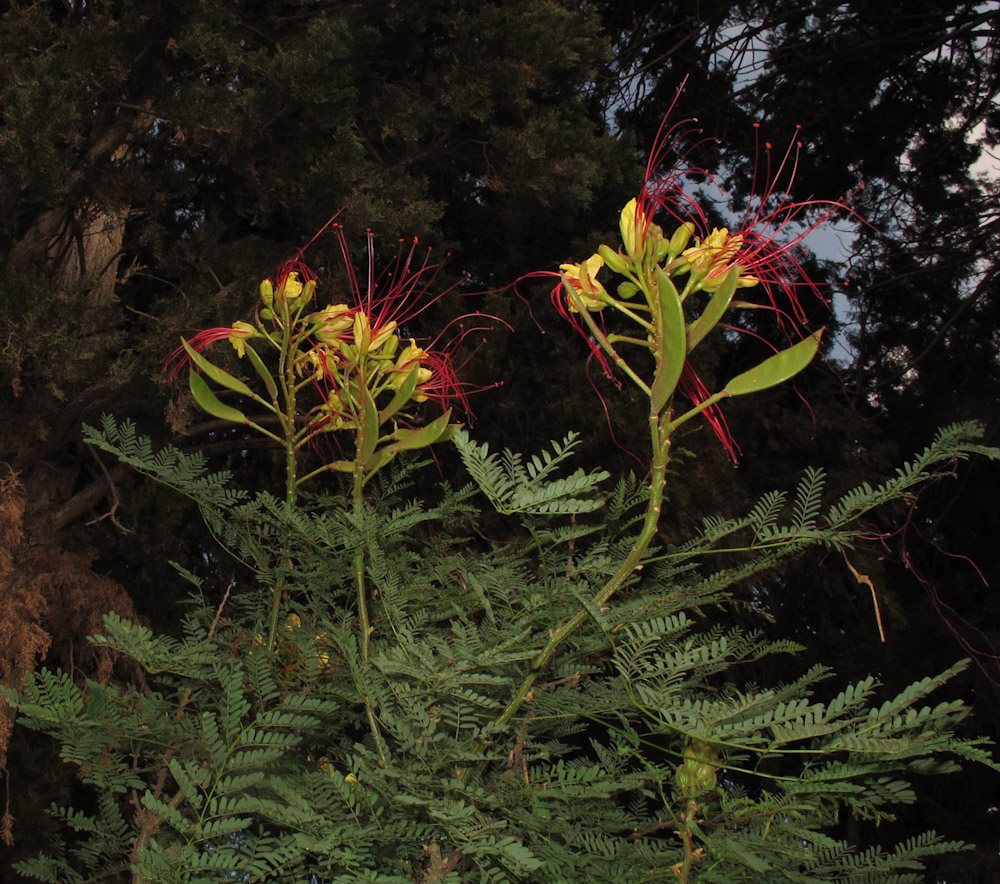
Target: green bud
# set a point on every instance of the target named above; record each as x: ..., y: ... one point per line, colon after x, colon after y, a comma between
x: 685, y: 778
x: 699, y: 772
x: 310, y: 288
x: 678, y: 242
x: 627, y: 290
x: 615, y: 261
x: 631, y: 224
x: 390, y: 347
x: 267, y: 313
x: 267, y: 292
x: 660, y: 246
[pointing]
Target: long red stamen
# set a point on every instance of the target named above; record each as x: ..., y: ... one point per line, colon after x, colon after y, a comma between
x: 694, y: 389
x: 178, y: 357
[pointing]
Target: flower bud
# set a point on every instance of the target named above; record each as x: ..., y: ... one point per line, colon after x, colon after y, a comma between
x: 698, y: 773
x: 627, y: 290
x: 389, y: 347
x: 616, y: 261
x: 631, y: 226
x: 362, y: 331
x: 656, y: 245
x: 678, y: 242
x: 267, y: 292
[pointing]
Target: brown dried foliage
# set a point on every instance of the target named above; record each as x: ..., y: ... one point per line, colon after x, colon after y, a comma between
x: 50, y: 600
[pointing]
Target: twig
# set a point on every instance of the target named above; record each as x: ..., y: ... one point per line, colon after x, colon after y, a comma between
x: 218, y: 612
x: 113, y: 493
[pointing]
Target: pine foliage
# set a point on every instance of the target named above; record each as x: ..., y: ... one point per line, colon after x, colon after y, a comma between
x: 642, y: 754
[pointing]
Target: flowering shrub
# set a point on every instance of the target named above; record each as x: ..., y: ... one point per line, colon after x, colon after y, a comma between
x: 564, y: 706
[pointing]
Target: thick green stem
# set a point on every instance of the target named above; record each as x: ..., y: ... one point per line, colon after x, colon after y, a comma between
x: 359, y: 574
x: 660, y: 430
x: 286, y: 365
x: 363, y: 616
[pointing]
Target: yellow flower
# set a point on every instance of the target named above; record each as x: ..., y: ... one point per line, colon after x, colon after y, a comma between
x: 292, y: 286
x: 412, y: 356
x: 333, y: 321
x: 714, y: 256
x: 582, y: 287
x: 368, y: 339
x: 238, y: 336
x: 632, y: 225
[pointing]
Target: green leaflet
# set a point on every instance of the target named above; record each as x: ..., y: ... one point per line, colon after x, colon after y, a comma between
x: 262, y: 370
x: 421, y: 438
x: 402, y: 395
x: 222, y: 378
x: 209, y: 402
x: 672, y: 342
x: 714, y: 311
x: 409, y: 440
x: 778, y: 369
x: 368, y: 427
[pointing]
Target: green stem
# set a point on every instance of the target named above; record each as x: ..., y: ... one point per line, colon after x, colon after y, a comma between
x: 702, y: 406
x: 286, y: 373
x: 631, y: 314
x: 363, y: 616
x: 660, y: 430
x: 602, y: 339
x: 359, y: 572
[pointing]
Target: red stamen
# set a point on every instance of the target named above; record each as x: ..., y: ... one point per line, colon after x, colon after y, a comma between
x: 178, y: 357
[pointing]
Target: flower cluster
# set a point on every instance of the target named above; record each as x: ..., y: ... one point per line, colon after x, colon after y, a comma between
x: 660, y: 273
x: 346, y: 366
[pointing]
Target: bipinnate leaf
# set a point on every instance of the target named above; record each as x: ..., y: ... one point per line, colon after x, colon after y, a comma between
x: 534, y: 490
x: 778, y: 369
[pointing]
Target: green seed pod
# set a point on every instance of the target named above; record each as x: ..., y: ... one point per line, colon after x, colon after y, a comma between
x: 685, y: 778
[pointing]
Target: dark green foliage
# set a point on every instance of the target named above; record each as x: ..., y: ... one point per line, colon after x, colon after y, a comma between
x: 222, y: 758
